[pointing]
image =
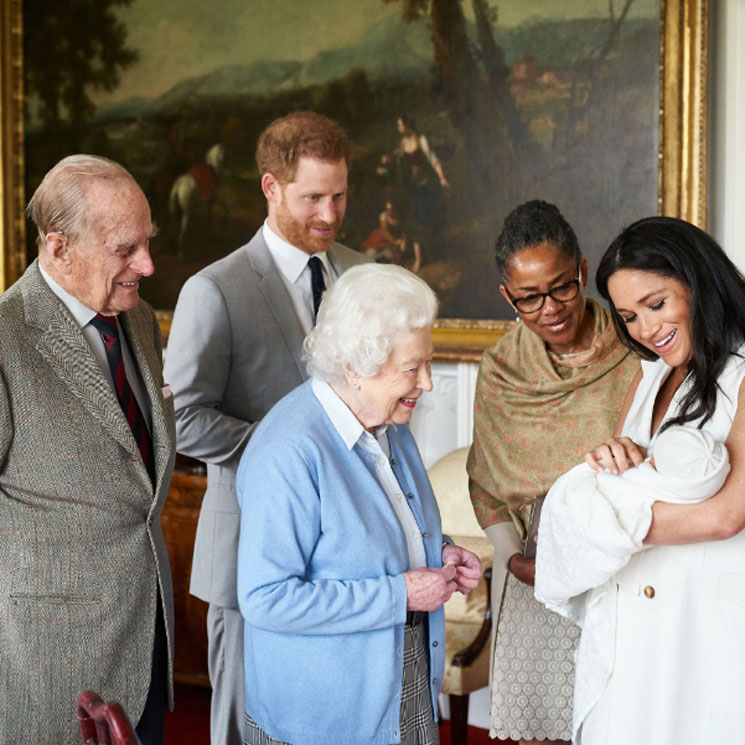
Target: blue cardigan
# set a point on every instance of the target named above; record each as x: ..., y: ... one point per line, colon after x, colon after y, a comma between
x: 320, y: 584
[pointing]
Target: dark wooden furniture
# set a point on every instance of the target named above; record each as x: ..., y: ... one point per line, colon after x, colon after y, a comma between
x: 464, y: 659
x: 179, y: 522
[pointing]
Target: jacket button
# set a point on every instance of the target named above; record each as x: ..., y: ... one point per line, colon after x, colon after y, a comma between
x: 410, y: 495
x: 393, y: 461
x: 434, y: 644
x: 649, y: 591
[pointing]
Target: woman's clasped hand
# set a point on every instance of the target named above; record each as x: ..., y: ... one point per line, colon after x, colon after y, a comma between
x: 616, y: 454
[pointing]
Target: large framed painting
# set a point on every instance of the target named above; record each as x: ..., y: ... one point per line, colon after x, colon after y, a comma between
x: 458, y: 110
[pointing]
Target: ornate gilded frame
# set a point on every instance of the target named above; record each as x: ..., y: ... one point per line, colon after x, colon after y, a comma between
x: 12, y: 224
x: 682, y: 149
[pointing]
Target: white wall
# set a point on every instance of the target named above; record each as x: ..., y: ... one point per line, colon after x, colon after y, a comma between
x: 443, y: 419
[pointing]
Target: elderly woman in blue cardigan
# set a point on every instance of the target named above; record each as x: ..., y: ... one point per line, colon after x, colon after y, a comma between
x: 342, y: 567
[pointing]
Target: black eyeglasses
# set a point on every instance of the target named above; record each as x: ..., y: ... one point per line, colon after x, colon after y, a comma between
x: 562, y: 293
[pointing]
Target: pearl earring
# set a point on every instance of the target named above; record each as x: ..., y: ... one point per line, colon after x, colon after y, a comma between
x: 355, y: 387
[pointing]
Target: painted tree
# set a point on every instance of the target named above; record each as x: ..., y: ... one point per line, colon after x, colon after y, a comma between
x: 474, y: 110
x: 587, y: 71
x: 71, y: 49
x: 498, y: 73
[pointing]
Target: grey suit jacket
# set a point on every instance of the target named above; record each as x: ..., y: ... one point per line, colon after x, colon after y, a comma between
x: 233, y: 351
x: 82, y: 555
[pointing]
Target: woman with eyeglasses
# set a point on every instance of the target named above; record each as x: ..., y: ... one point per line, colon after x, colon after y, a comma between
x: 550, y: 389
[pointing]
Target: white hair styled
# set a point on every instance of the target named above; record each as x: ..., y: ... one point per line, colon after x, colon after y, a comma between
x: 361, y: 317
x: 58, y: 204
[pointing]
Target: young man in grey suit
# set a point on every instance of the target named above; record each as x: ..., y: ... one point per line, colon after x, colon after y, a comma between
x: 87, y: 443
x: 235, y: 349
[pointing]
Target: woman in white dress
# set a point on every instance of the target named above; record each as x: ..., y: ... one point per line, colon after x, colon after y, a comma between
x: 677, y: 668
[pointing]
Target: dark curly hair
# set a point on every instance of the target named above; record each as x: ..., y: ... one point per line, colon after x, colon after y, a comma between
x: 531, y: 224
x: 674, y: 248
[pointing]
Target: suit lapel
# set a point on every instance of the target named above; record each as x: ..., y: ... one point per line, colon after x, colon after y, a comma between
x: 62, y: 344
x: 338, y: 260
x: 138, y: 327
x: 65, y: 349
x: 275, y: 293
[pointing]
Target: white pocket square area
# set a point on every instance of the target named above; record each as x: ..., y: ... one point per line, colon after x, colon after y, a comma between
x: 166, y: 391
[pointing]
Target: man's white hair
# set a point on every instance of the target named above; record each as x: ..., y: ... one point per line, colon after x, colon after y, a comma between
x: 361, y: 318
x: 58, y: 204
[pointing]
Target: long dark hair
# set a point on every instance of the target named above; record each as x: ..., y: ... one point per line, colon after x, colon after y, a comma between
x: 675, y: 248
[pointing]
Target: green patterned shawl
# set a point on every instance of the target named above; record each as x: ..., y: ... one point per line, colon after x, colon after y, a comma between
x: 536, y: 415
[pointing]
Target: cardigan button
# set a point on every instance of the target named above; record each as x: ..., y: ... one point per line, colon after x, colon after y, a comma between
x: 393, y: 461
x: 434, y: 644
x: 410, y: 495
x: 425, y: 535
x: 649, y: 591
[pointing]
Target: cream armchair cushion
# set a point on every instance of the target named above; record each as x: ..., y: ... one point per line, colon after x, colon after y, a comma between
x: 464, y: 614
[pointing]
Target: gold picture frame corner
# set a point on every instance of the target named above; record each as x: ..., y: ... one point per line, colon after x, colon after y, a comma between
x: 463, y: 340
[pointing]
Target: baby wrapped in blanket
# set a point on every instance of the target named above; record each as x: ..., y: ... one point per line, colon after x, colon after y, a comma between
x: 593, y: 522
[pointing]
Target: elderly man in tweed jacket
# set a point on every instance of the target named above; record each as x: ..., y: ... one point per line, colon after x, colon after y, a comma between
x: 86, y: 454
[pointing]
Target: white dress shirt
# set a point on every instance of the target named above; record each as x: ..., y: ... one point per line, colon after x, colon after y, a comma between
x: 352, y: 432
x: 292, y: 263
x: 83, y: 315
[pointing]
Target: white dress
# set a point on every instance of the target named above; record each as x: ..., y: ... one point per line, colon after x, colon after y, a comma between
x: 679, y: 663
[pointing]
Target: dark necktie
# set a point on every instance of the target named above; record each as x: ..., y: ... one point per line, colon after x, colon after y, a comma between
x: 108, y: 327
x: 317, y: 284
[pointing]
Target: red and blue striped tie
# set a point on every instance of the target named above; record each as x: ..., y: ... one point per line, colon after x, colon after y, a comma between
x: 108, y: 327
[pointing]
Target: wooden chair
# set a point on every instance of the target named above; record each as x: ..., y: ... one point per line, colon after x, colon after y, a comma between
x: 104, y: 723
x: 467, y: 618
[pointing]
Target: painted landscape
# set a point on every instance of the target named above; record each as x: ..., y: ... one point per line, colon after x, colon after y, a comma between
x: 562, y: 108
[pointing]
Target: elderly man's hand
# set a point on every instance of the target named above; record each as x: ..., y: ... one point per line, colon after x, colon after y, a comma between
x: 467, y: 567
x: 427, y: 588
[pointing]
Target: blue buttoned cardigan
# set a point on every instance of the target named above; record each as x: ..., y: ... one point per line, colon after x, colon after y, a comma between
x: 320, y: 585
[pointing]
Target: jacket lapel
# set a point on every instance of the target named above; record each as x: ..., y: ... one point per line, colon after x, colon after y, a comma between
x: 338, y: 259
x: 273, y: 289
x: 62, y: 344
x: 138, y: 327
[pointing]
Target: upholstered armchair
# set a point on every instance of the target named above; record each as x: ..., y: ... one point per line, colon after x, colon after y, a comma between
x: 467, y: 617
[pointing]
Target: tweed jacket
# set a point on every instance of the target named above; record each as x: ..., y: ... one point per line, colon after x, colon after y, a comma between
x: 235, y: 348
x: 82, y: 555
